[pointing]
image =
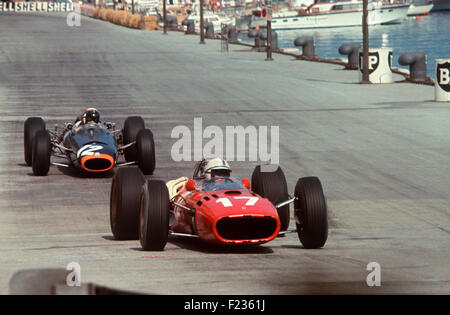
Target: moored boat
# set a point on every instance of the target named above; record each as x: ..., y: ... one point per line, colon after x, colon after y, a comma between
x: 339, y: 14
x: 419, y: 9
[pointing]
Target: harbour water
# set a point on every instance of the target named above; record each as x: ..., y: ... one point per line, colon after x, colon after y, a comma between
x: 430, y: 34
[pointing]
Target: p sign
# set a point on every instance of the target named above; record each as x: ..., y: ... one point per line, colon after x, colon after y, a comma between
x: 379, y: 65
x: 374, y: 61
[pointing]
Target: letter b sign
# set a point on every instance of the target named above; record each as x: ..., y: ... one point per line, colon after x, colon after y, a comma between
x: 443, y: 76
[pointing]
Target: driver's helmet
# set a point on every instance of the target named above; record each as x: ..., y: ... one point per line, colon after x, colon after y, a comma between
x: 91, y: 115
x: 217, y: 167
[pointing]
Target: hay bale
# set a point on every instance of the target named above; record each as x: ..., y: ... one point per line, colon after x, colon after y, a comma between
x: 135, y: 21
x: 110, y: 15
x: 100, y: 13
x: 95, y: 13
x: 116, y: 16
x: 125, y: 18
x: 151, y: 23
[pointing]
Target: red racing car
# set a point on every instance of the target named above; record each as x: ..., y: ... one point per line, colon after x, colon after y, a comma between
x: 216, y: 208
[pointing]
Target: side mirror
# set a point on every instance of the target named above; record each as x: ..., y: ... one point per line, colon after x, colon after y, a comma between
x: 190, y: 185
x: 246, y: 183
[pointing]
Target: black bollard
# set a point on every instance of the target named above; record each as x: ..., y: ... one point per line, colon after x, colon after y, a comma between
x: 172, y: 22
x: 263, y: 36
x: 209, y: 30
x: 417, y: 62
x: 252, y: 33
x: 307, y: 42
x: 259, y: 43
x: 352, y: 52
x: 190, y: 26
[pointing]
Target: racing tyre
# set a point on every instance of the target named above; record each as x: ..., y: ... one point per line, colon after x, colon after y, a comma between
x: 124, y: 203
x: 311, y: 212
x: 42, y: 150
x: 273, y: 186
x: 154, y: 216
x: 145, y: 151
x: 31, y: 126
x: 131, y: 128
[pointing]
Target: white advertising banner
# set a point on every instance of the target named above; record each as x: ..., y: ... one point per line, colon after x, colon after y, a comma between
x: 36, y: 6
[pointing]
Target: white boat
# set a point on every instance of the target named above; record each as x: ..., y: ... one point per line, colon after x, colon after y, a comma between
x: 419, y: 9
x: 209, y: 16
x: 339, y: 14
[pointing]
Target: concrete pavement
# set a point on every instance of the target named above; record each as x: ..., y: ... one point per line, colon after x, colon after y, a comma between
x: 381, y: 151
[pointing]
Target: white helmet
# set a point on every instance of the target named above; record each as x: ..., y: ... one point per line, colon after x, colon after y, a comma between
x: 217, y: 164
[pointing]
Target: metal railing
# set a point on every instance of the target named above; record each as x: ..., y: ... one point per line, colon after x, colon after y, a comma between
x: 224, y: 38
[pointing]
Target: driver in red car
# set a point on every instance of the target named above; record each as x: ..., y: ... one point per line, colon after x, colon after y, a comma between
x: 216, y: 167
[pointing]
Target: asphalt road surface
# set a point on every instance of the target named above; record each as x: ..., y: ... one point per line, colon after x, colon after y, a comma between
x: 381, y: 152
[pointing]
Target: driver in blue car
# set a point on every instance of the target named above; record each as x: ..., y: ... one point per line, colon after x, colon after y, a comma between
x: 90, y: 116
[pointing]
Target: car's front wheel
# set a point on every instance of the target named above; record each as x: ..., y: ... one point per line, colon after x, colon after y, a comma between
x: 124, y: 203
x: 132, y: 126
x: 145, y: 151
x: 273, y: 186
x: 41, y: 154
x: 154, y: 215
x: 31, y: 126
x: 311, y: 214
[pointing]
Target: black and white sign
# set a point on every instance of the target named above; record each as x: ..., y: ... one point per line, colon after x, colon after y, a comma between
x: 374, y: 61
x: 390, y: 59
x: 443, y: 76
x: 380, y: 62
x: 36, y: 7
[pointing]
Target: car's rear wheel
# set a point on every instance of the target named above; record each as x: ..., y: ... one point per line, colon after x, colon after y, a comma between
x: 273, y: 186
x: 31, y: 126
x: 131, y: 128
x: 42, y: 150
x: 154, y: 216
x: 124, y: 203
x: 145, y: 151
x: 311, y: 212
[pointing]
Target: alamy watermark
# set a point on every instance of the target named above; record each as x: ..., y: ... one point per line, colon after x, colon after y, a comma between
x: 233, y: 143
x: 373, y: 279
x: 74, y: 18
x: 73, y: 279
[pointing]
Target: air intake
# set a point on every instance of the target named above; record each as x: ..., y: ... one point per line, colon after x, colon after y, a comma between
x: 97, y: 163
x: 246, y: 227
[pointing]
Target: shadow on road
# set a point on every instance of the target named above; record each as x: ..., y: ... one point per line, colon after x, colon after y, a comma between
x: 200, y: 246
x: 77, y: 173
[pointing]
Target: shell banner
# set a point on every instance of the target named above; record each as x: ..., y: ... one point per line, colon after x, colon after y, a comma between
x: 36, y: 7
